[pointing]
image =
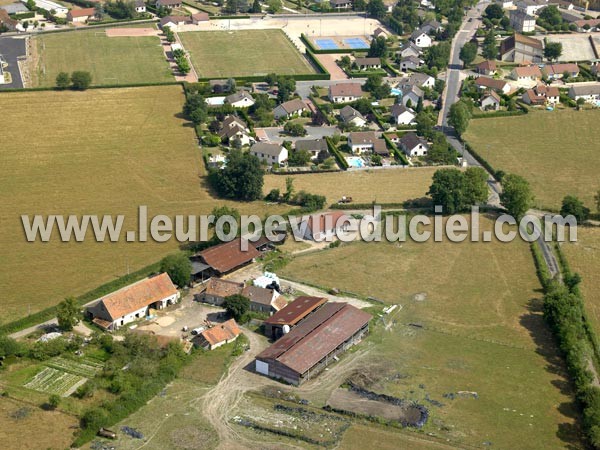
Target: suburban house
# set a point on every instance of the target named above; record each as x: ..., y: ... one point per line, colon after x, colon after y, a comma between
x: 557, y: 71
x: 421, y: 79
x: 490, y: 101
x: 380, y: 32
x: 542, y: 94
x: 240, y: 99
x: 286, y: 318
x: 421, y: 39
x: 521, y: 21
x: 168, y: 4
x: 235, y: 128
x: 345, y: 92
x: 341, y: 4
x: 531, y: 7
x: 289, y: 109
x: 431, y: 26
x: 587, y: 25
x: 527, y: 73
x: 270, y: 153
x: 352, y: 117
x: 411, y: 93
x: 264, y: 300
x: 227, y: 257
x: 490, y: 83
x: 521, y: 49
x: 361, y: 141
x: 487, y: 67
x: 312, y: 146
x: 368, y: 63
x: 199, y: 17
x: 411, y: 63
x: 133, y: 302
x: 324, y: 226
x: 217, y: 290
x: 81, y: 15
x: 140, y: 6
x: 174, y: 22
x: 413, y: 145
x: 409, y: 49
x: 589, y: 92
x: 220, y: 334
x: 314, y: 343
x: 403, y: 115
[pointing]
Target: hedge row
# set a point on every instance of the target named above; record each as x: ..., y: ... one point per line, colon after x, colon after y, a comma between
x: 337, y: 154
x: 397, y: 153
x: 260, y: 78
x: 345, y: 206
x: 311, y: 56
x: 499, y: 114
x: 481, y: 160
x: 49, y: 313
x: 318, y: 106
x: 366, y: 73
x: 25, y: 15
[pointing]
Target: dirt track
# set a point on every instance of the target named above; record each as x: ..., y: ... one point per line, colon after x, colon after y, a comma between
x: 131, y: 32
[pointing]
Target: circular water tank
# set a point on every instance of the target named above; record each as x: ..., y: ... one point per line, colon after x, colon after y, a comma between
x: 286, y: 329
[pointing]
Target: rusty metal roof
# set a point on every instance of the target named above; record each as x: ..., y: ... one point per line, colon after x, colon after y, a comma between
x: 226, y: 257
x: 295, y: 311
x: 317, y: 336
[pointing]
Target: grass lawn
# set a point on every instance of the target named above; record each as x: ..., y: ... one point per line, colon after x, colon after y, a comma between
x: 102, y: 151
x: 583, y: 257
x: 384, y: 186
x: 110, y: 60
x: 556, y: 151
x: 480, y: 329
x: 243, y: 53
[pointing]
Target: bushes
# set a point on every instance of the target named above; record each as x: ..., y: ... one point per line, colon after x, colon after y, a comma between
x: 336, y: 153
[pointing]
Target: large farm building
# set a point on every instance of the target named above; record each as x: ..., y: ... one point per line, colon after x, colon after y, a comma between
x: 314, y: 343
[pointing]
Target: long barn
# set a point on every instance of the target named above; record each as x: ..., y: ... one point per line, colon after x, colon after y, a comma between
x: 314, y: 343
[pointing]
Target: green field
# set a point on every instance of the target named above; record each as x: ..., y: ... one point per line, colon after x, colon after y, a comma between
x: 556, y: 151
x: 583, y: 257
x: 469, y: 319
x: 110, y: 60
x: 243, y: 53
x: 103, y: 151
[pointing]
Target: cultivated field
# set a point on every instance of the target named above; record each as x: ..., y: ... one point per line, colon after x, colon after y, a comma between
x: 113, y: 61
x: 243, y: 53
x: 94, y: 152
x: 384, y: 186
x: 556, y: 151
x: 584, y: 257
x: 52, y: 381
x: 467, y: 341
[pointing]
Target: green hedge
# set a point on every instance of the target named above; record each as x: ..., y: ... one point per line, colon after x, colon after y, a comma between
x: 481, y: 160
x: 25, y: 15
x: 397, y: 152
x: 493, y: 114
x: 337, y: 154
x: 259, y: 78
x: 311, y: 56
x: 318, y: 106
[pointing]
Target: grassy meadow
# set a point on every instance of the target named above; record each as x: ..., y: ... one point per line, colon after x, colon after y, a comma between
x: 243, y: 53
x: 469, y: 320
x: 556, y: 151
x: 110, y: 60
x: 94, y: 152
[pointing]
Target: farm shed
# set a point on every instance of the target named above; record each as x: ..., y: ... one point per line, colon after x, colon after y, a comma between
x: 314, y: 343
x: 218, y: 335
x: 291, y: 315
x: 133, y: 302
x: 227, y: 257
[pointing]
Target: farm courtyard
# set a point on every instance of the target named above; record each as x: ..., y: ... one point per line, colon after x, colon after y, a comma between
x: 243, y: 53
x: 467, y: 339
x: 555, y: 151
x: 110, y: 60
x: 82, y: 157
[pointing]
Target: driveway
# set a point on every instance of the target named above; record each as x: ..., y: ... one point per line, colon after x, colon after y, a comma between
x: 275, y: 134
x: 11, y: 48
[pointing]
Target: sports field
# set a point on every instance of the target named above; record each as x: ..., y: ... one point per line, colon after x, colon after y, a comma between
x: 113, y: 61
x: 583, y: 257
x: 103, y: 151
x: 467, y: 340
x: 556, y: 151
x: 384, y: 186
x: 243, y: 53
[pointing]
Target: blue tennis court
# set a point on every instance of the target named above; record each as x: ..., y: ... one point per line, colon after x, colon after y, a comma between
x: 356, y: 43
x: 326, y: 44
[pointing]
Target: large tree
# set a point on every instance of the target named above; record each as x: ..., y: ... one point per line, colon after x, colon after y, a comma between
x: 468, y: 53
x: 81, y: 80
x: 459, y: 116
x: 241, y: 179
x: 494, y: 11
x: 179, y: 268
x: 286, y: 87
x: 516, y: 195
x: 571, y: 205
x: 376, y: 8
x: 63, y: 80
x: 378, y: 48
x: 237, y: 306
x: 438, y: 55
x: 457, y: 191
x: 552, y: 50
x: 489, y: 49
x: 67, y: 313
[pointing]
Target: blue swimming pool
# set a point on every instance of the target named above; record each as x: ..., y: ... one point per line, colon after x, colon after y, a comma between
x: 326, y: 44
x: 356, y: 43
x: 395, y: 91
x: 355, y: 161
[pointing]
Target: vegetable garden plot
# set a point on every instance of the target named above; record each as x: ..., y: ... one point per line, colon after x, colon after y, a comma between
x: 53, y: 381
x: 85, y: 367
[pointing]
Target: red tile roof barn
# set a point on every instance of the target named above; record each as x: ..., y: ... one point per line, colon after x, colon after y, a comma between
x: 223, y: 288
x: 85, y: 12
x: 317, y: 336
x: 137, y: 295
x: 295, y: 311
x: 226, y: 257
x: 225, y: 331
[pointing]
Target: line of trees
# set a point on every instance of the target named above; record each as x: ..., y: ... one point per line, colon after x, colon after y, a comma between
x: 78, y: 80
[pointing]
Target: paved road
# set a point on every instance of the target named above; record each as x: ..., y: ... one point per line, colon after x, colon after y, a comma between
x: 11, y: 48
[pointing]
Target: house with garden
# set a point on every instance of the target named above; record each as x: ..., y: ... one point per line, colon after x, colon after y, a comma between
x: 269, y: 153
x: 241, y: 99
x: 402, y: 115
x: 289, y: 109
x: 345, y: 92
x: 312, y: 146
x: 413, y: 145
x: 352, y: 117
